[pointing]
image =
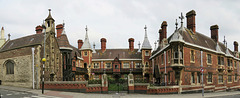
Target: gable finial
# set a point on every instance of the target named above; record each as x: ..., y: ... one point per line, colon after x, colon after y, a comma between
x: 225, y: 42
x: 145, y: 30
x: 155, y: 45
x: 176, y: 24
x: 181, y: 17
x: 94, y: 45
x: 86, y: 28
x: 9, y: 35
x: 63, y: 23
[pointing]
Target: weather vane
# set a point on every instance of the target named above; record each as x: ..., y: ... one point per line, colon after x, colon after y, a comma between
x: 181, y: 17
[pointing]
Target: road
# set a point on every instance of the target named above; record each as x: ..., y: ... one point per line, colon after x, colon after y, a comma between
x: 7, y: 93
x: 230, y: 96
x: 18, y: 94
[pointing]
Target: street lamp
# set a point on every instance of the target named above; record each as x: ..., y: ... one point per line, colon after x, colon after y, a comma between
x: 43, y: 59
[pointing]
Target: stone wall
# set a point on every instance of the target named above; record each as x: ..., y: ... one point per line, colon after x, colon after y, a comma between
x: 22, y: 59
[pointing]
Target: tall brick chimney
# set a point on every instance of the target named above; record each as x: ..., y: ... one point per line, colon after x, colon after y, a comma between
x: 80, y: 43
x: 131, y: 44
x: 191, y: 20
x: 235, y: 43
x: 160, y: 32
x: 59, y: 28
x: 103, y: 44
x: 39, y: 29
x: 214, y: 32
x: 163, y: 34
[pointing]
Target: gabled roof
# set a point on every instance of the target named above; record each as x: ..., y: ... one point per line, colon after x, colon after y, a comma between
x: 75, y: 51
x: 63, y: 42
x: 198, y: 40
x: 120, y: 53
x: 31, y: 40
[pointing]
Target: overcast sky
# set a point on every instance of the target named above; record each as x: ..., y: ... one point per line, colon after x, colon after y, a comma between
x: 119, y: 20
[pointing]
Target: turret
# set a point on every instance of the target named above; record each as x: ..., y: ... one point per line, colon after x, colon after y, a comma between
x: 49, y: 23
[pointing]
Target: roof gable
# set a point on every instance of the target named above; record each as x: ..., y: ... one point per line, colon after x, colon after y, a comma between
x: 26, y: 41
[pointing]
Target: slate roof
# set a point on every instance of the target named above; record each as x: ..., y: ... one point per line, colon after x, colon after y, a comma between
x: 75, y: 51
x: 146, y: 44
x: 63, y: 41
x: 86, y: 44
x: 121, y: 53
x: 197, y: 39
x: 31, y: 40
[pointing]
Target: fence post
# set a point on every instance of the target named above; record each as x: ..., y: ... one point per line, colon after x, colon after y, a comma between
x: 104, y: 83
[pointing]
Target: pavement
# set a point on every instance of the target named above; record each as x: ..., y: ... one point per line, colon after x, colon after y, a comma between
x: 62, y: 94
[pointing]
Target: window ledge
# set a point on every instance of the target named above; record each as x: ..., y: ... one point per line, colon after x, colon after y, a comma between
x: 209, y: 82
x: 220, y: 83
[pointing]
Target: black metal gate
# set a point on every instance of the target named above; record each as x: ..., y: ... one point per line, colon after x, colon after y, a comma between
x: 117, y: 84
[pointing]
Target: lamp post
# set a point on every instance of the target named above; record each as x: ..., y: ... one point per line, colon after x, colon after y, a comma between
x: 43, y: 59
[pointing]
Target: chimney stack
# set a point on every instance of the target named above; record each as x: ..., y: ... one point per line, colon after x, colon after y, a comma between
x: 39, y: 29
x: 131, y: 44
x: 235, y: 46
x: 163, y: 34
x: 214, y: 32
x: 59, y: 30
x: 103, y: 44
x: 80, y: 43
x: 191, y: 20
x: 160, y: 36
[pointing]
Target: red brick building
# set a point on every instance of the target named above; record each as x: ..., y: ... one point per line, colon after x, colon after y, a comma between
x: 179, y: 58
x: 116, y: 62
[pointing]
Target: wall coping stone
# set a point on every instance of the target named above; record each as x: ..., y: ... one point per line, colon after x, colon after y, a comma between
x: 66, y: 82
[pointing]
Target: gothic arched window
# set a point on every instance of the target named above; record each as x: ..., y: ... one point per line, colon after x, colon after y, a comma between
x: 9, y: 67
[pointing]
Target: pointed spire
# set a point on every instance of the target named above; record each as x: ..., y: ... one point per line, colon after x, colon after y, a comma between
x: 146, y: 44
x: 2, y: 33
x: 86, y: 44
x: 49, y: 16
